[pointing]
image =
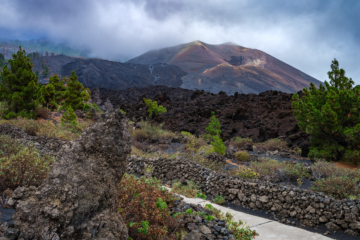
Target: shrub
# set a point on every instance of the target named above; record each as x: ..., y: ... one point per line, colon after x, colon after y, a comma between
x: 186, y: 134
x: 272, y: 145
x: 246, y: 173
x: 42, y: 113
x: 241, y: 142
x: 329, y: 169
x: 219, y: 200
x: 194, y: 144
x: 21, y: 165
x: 3, y: 107
x: 189, y: 190
x: 145, y: 209
x: 95, y: 107
x: 242, y: 156
x: 338, y: 187
x: 75, y: 95
x: 295, y: 170
x: 266, y: 166
x: 330, y: 114
x: 153, y: 107
x: 139, y: 135
x: 156, y: 132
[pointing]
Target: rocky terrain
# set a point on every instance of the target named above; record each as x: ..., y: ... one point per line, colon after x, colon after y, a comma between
x: 76, y: 201
x: 228, y: 67
x: 259, y: 117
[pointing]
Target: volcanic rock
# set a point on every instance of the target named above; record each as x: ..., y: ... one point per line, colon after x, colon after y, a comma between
x: 76, y: 200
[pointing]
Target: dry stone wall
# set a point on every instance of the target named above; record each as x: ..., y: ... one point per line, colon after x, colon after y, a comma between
x: 311, y: 208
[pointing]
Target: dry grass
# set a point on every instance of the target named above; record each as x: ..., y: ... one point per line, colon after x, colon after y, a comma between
x: 272, y: 145
x: 241, y: 142
x: 48, y: 129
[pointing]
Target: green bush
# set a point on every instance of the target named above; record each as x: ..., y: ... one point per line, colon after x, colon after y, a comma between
x: 330, y: 114
x: 265, y: 166
x: 75, y: 95
x: 153, y: 107
x: 214, y: 127
x: 21, y: 166
x: 242, y: 156
x: 295, y: 170
x: 219, y: 200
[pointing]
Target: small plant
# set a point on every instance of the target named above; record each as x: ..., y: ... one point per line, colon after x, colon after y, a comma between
x: 265, y: 166
x: 246, y: 173
x: 219, y: 200
x: 144, y: 227
x: 153, y: 107
x: 190, y: 190
x: 189, y: 211
x: 160, y: 204
x: 122, y: 111
x: 219, y: 146
x: 242, y: 156
x: 214, y: 127
x: 69, y: 117
x: 300, y: 182
x: 297, y: 151
x: 209, y: 218
x: 201, y: 195
x: 149, y: 169
x: 295, y: 170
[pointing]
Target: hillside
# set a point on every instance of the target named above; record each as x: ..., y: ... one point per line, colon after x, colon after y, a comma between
x: 108, y: 74
x: 228, y: 67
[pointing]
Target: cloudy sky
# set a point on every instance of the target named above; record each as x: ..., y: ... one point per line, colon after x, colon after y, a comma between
x: 306, y: 34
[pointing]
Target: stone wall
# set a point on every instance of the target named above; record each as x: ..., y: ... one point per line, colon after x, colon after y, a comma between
x: 311, y: 208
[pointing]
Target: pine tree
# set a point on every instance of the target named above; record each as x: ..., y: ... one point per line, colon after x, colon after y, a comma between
x: 331, y: 115
x: 153, y: 107
x: 75, y: 95
x: 45, y: 72
x: 19, y: 86
x: 69, y: 117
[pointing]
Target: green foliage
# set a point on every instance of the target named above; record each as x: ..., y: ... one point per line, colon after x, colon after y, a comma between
x: 242, y: 156
x: 186, y: 134
x: 209, y: 218
x: 219, y: 199
x: 95, y: 107
x: 2, y: 60
x: 144, y: 227
x: 189, y: 190
x: 161, y: 204
x: 45, y: 72
x: 153, y: 107
x: 330, y: 114
x: 19, y: 85
x: 122, y: 111
x: 75, y: 95
x: 189, y: 211
x: 272, y: 145
x: 201, y: 195
x: 218, y: 145
x: 214, y: 127
x: 21, y: 165
x: 213, y: 131
x: 69, y: 116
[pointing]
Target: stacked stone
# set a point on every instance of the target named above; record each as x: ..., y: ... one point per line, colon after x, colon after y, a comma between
x: 311, y: 208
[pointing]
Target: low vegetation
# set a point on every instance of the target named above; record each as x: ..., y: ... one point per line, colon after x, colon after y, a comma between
x: 144, y: 204
x: 271, y: 145
x: 241, y: 142
x: 242, y: 156
x: 20, y: 165
x: 46, y: 128
x: 189, y: 190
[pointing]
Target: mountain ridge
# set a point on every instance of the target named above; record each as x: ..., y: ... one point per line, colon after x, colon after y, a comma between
x: 228, y: 67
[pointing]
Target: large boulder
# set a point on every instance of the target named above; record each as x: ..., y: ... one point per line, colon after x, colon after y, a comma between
x: 76, y: 201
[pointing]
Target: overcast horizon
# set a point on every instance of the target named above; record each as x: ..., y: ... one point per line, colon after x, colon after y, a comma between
x: 307, y: 35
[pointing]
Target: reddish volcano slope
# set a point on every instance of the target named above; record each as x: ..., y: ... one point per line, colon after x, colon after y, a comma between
x: 228, y: 67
